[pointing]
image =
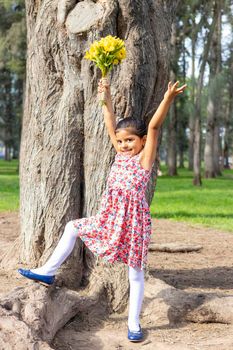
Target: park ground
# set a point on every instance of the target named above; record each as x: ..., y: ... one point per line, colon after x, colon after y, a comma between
x: 209, y: 270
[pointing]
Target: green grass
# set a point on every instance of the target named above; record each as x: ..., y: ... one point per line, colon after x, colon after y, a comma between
x: 175, y: 197
x: 9, y: 185
x: 211, y: 204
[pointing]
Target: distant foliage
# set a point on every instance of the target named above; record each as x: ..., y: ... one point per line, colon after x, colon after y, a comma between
x: 12, y: 73
x: 193, y: 26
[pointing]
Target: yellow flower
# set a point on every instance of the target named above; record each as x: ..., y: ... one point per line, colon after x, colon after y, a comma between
x: 106, y: 52
x: 107, y: 43
x: 121, y: 54
x: 87, y: 55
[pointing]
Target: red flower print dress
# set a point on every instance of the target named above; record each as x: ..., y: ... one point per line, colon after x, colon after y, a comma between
x: 121, y: 230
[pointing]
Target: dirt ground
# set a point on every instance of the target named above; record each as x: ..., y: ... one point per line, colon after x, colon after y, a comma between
x: 210, y: 270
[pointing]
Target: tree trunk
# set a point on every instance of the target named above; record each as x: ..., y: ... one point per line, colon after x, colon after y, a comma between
x: 197, y: 151
x: 191, y: 117
x: 172, y: 151
x: 197, y: 128
x: 227, y: 123
x: 209, y: 142
x: 217, y: 150
x: 7, y: 115
x: 181, y: 157
x: 217, y: 141
x: 172, y: 126
x: 182, y: 120
x: 7, y: 155
x: 226, y: 154
x: 65, y: 153
x: 212, y: 145
x: 229, y: 111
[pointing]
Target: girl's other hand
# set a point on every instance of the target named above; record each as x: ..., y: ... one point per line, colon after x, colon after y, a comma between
x: 104, y: 92
x: 103, y: 86
x: 173, y: 90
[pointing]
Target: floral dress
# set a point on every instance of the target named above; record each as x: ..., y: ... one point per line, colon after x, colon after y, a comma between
x: 121, y: 230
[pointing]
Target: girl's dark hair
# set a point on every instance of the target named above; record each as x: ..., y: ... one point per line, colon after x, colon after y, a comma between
x: 137, y: 126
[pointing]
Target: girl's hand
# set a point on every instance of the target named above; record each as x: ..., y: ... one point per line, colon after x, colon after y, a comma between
x: 173, y: 90
x: 104, y: 86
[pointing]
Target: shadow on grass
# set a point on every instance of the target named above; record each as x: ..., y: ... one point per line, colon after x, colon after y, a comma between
x: 183, y: 214
x: 188, y: 187
x: 176, y: 177
x: 218, y: 277
x: 9, y: 173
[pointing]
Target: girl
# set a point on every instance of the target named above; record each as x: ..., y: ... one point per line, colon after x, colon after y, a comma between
x: 122, y: 228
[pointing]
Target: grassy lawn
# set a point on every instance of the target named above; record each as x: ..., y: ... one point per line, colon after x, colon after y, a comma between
x: 175, y: 197
x: 210, y: 205
x: 9, y: 185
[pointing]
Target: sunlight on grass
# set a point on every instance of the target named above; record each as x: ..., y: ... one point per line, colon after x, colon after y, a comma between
x: 211, y: 205
x: 9, y: 186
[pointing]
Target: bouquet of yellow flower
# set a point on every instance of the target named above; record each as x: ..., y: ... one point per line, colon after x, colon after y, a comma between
x: 106, y: 53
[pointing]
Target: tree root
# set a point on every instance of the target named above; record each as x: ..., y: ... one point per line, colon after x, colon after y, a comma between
x: 175, y: 248
x: 174, y: 306
x: 31, y: 316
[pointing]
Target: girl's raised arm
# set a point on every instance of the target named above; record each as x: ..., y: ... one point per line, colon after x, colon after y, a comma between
x: 109, y: 117
x: 149, y: 151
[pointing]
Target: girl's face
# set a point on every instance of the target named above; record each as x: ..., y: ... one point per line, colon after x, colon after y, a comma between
x: 129, y: 144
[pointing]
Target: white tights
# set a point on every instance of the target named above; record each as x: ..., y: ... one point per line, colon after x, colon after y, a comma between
x: 63, y: 250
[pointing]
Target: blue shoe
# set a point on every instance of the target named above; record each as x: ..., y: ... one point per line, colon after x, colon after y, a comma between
x: 135, y: 336
x: 33, y: 276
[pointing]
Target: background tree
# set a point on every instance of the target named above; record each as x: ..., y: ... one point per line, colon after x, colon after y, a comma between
x: 172, y: 123
x: 193, y: 15
x: 12, y: 73
x: 175, y: 134
x: 228, y: 93
x: 212, y: 143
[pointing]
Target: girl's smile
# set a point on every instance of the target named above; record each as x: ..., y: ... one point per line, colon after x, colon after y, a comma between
x: 128, y: 143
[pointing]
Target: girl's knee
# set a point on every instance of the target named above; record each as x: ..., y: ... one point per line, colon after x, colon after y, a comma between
x: 71, y: 229
x: 135, y: 274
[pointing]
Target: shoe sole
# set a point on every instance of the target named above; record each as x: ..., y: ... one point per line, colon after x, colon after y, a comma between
x: 43, y: 283
x: 38, y: 281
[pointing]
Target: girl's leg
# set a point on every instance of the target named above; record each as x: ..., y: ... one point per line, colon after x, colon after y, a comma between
x: 136, y: 282
x: 60, y: 253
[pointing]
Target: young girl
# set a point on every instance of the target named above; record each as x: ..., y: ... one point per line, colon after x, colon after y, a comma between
x: 122, y: 228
